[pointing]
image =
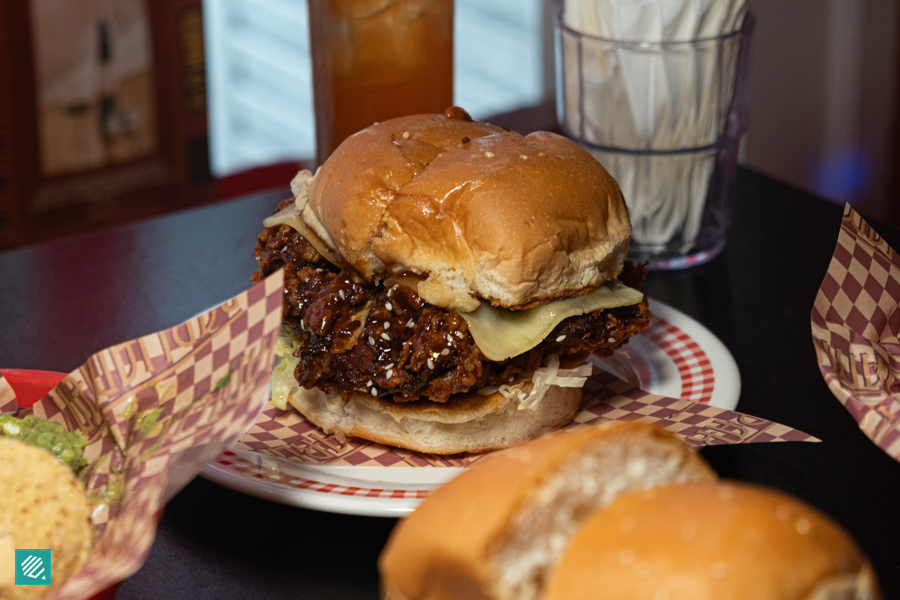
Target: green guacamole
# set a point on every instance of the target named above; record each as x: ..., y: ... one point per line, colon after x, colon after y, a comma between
x: 65, y: 445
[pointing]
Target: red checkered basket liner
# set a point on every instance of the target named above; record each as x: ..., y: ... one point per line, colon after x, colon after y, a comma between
x: 146, y: 406
x: 855, y: 329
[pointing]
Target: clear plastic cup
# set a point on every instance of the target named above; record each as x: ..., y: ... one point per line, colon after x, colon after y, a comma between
x: 666, y: 120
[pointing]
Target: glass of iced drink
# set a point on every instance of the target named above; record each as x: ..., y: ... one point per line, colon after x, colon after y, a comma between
x: 374, y: 60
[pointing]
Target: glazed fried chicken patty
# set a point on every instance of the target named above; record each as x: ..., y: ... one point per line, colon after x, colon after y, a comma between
x: 356, y: 337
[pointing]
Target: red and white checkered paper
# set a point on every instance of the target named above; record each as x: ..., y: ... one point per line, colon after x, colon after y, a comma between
x: 154, y: 411
x: 855, y: 327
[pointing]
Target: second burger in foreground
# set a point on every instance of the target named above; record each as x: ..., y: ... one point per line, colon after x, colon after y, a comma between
x: 444, y: 280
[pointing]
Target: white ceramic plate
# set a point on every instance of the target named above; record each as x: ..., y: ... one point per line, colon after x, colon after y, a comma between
x: 675, y: 356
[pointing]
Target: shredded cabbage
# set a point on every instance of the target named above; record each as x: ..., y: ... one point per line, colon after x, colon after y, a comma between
x: 283, y: 382
x: 509, y: 391
x: 549, y: 375
x: 542, y: 379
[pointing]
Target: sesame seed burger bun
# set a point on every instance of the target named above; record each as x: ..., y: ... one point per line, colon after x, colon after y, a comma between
x: 706, y: 541
x: 480, y: 211
x: 42, y: 506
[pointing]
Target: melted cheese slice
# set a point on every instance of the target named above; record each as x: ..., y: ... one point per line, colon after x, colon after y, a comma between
x: 502, y: 333
x: 291, y: 216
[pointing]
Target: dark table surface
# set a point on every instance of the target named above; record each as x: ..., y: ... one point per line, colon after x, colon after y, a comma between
x: 64, y: 300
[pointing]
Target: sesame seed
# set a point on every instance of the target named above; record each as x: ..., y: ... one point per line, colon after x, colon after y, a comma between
x: 459, y: 334
x: 371, y: 341
x: 803, y: 526
x: 342, y: 295
x: 430, y: 364
x: 395, y: 142
x: 283, y: 249
x: 783, y: 513
x: 445, y: 352
x: 390, y: 366
x: 405, y: 135
x: 390, y: 291
x: 389, y: 374
x: 410, y: 324
x: 523, y: 157
x: 511, y: 379
x: 385, y: 337
x: 302, y: 324
x: 374, y: 391
x: 560, y: 338
x: 611, y: 340
x: 387, y: 325
x: 319, y: 270
x: 489, y: 154
x: 369, y: 384
x: 388, y: 305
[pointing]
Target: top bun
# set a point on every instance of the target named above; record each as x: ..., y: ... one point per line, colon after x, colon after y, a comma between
x: 706, y: 541
x: 482, y: 212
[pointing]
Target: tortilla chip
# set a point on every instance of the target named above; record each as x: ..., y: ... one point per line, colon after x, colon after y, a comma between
x: 42, y: 506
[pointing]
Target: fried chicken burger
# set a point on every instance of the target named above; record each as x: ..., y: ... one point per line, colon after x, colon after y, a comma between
x: 444, y: 278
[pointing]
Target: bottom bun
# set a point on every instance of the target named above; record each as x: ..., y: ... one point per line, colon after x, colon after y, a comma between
x: 465, y: 423
x: 705, y: 541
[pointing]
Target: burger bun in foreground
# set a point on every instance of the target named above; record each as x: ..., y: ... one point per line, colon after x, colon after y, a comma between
x: 708, y: 541
x: 498, y: 530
